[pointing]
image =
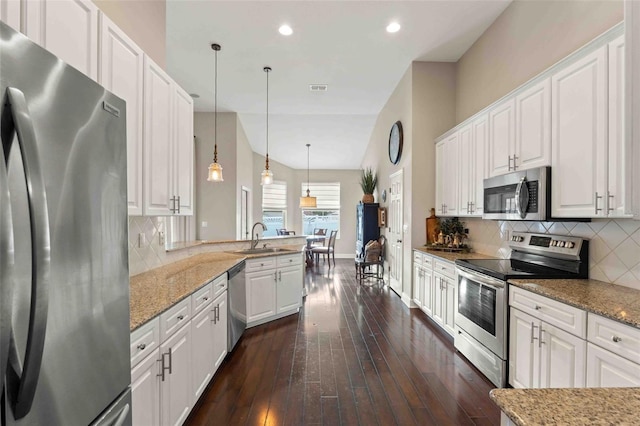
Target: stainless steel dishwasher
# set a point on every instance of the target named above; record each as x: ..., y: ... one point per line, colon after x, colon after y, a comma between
x: 237, y: 312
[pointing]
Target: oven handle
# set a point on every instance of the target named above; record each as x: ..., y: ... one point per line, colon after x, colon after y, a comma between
x: 482, y: 279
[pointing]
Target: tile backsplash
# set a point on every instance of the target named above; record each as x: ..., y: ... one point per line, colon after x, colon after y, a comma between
x: 614, y: 245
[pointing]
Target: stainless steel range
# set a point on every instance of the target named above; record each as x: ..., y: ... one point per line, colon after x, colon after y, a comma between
x: 482, y: 316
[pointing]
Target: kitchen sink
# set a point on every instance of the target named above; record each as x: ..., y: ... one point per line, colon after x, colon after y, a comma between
x: 263, y: 250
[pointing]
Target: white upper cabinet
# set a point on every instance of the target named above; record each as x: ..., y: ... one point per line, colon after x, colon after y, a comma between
x: 450, y: 181
x: 121, y: 71
x: 66, y: 28
x: 533, y: 127
x: 579, y: 137
x: 465, y: 169
x: 183, y: 152
x: 618, y: 191
x: 440, y: 177
x: 10, y: 13
x: 501, y: 137
x: 158, y: 149
x: 480, y: 130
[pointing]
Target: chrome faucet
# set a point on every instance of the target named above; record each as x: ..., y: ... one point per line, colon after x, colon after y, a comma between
x: 264, y: 228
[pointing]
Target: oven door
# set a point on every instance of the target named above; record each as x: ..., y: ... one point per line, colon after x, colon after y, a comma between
x: 519, y: 195
x: 482, y: 310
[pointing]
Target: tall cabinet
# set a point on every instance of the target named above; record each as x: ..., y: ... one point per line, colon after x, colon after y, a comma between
x: 366, y: 226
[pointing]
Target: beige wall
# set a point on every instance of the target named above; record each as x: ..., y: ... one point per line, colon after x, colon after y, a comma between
x: 244, y: 167
x: 527, y: 38
x: 145, y: 21
x: 216, y: 202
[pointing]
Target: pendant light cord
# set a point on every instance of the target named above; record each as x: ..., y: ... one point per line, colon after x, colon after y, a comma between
x: 215, y: 114
x: 308, y: 145
x: 267, y: 113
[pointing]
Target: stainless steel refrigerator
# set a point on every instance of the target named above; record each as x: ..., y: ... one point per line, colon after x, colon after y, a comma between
x: 64, y: 279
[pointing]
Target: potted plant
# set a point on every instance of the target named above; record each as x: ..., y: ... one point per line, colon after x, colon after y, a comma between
x: 368, y: 183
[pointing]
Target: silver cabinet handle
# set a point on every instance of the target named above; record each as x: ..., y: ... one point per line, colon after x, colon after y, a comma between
x: 538, y: 307
x: 509, y: 166
x: 218, y: 312
x: 142, y: 346
x: 172, y: 200
x: 540, y: 341
x: 22, y: 377
x: 170, y: 360
x: 214, y: 315
x: 280, y: 276
x: 275, y: 276
x: 180, y: 317
x: 597, y: 198
x: 473, y: 207
x: 163, y: 367
x: 178, y: 204
x: 616, y: 339
x: 515, y: 167
x: 609, y: 202
x: 533, y: 327
x: 205, y: 298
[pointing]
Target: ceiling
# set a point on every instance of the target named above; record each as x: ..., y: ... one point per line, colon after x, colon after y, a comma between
x: 340, y: 43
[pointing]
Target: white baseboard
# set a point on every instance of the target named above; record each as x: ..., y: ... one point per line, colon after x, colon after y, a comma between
x: 406, y: 299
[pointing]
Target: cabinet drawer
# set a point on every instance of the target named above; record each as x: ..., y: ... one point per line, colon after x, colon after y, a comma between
x: 145, y: 340
x: 621, y: 339
x: 219, y: 285
x: 565, y: 317
x: 260, y: 264
x: 201, y: 298
x: 173, y: 319
x: 427, y: 262
x: 417, y: 258
x: 289, y: 260
x: 445, y: 268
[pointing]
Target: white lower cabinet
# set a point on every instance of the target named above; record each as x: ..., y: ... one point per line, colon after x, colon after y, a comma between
x: 220, y: 330
x: 608, y: 370
x: 274, y: 288
x: 435, y: 292
x: 145, y: 391
x: 176, y: 391
x: 544, y: 356
x: 203, y: 335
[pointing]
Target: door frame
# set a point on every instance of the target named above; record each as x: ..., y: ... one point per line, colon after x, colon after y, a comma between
x: 397, y: 238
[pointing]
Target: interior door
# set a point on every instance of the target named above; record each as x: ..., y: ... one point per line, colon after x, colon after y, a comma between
x: 244, y: 214
x: 395, y: 232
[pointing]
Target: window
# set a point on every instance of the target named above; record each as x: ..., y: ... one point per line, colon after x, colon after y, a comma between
x: 327, y: 213
x: 274, y: 207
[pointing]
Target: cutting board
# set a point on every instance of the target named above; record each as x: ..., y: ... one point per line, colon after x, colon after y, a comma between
x: 433, y: 227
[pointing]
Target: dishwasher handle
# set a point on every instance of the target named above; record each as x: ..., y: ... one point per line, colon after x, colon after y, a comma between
x: 236, y: 270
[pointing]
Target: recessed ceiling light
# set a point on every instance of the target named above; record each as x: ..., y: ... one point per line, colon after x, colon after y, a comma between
x: 393, y: 27
x: 285, y: 30
x: 194, y: 95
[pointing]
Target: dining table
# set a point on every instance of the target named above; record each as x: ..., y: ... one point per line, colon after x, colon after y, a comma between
x: 311, y: 239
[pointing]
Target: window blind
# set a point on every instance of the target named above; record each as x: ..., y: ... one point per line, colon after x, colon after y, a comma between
x: 274, y: 196
x: 327, y: 194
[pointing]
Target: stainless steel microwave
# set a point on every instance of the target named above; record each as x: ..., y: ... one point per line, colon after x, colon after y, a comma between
x: 521, y: 195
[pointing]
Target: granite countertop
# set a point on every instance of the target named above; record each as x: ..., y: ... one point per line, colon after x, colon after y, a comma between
x: 187, y: 244
x: 154, y: 291
x: 609, y: 300
x: 585, y: 406
x: 453, y: 256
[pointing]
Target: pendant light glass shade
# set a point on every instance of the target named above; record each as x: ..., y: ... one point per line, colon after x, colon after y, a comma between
x: 215, y: 169
x: 267, y: 175
x: 308, y: 202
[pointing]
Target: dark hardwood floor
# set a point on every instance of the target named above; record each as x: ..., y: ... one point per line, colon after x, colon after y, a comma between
x: 352, y: 356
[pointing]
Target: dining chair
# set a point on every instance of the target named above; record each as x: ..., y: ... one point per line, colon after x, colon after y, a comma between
x: 319, y: 232
x: 365, y: 264
x: 328, y: 250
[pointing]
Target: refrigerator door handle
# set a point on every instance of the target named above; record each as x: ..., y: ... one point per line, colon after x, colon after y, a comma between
x: 6, y: 268
x: 22, y: 377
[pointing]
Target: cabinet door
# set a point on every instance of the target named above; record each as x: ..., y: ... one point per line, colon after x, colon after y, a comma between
x: 68, y: 29
x: 438, y: 299
x: 466, y: 164
x: 608, y: 370
x: 501, y: 137
x: 480, y: 129
x: 449, y: 303
x: 183, y: 149
x: 533, y: 127
x: 261, y: 295
x: 289, y: 289
x: 578, y: 137
x: 418, y: 284
x: 158, y: 166
x: 202, y: 350
x: 145, y: 391
x: 618, y: 191
x: 440, y: 177
x: 428, y: 292
x: 121, y: 71
x: 450, y: 184
x: 563, y: 358
x: 524, y: 353
x: 10, y: 13
x: 176, y: 390
x: 220, y: 331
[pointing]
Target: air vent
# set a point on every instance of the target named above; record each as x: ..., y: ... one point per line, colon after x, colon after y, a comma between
x: 318, y: 87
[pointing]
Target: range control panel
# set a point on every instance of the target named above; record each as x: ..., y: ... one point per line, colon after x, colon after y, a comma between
x: 560, y: 246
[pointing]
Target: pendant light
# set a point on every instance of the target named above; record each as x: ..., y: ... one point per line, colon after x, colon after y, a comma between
x: 267, y: 176
x: 215, y: 169
x: 308, y: 201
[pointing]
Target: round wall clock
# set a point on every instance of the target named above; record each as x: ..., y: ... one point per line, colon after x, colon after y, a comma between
x: 395, y: 142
